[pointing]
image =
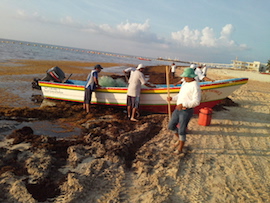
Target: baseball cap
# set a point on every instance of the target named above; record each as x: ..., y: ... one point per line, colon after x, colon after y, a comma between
x: 98, y: 66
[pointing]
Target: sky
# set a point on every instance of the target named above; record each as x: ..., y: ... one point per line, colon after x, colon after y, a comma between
x: 214, y: 31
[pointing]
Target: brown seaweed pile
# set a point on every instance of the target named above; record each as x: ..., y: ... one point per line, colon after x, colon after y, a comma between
x: 107, y: 134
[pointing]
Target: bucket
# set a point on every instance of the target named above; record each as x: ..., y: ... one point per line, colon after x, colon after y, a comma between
x: 205, y: 116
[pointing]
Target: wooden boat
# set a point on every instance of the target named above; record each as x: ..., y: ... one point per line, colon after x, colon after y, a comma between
x: 151, y: 99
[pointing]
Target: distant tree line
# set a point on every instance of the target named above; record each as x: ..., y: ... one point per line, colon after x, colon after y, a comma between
x: 266, y: 68
x: 268, y: 65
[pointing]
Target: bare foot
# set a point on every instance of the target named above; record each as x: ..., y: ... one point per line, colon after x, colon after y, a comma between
x: 133, y: 119
x: 175, y: 144
x: 179, y: 153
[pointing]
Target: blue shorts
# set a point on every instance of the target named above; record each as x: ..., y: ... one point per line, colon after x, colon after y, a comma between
x: 182, y: 118
x: 133, y: 101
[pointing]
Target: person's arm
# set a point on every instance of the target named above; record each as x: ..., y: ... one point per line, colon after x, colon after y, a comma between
x: 95, y: 75
x: 149, y: 85
x: 143, y: 81
x: 174, y: 98
x: 96, y: 81
x: 208, y: 79
x: 127, y: 70
x: 179, y: 82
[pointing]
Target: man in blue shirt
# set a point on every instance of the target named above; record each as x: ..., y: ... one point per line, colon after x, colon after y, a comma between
x: 91, y: 85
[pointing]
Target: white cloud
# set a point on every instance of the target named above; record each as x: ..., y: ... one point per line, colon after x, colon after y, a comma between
x: 227, y: 30
x: 131, y: 31
x: 21, y: 13
x: 30, y: 16
x: 69, y: 21
x: 133, y: 27
x: 206, y: 37
x: 243, y: 46
x: 187, y: 37
x: 123, y: 29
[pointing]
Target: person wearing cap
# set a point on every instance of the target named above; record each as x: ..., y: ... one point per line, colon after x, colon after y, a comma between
x: 193, y: 66
x: 189, y: 97
x: 135, y: 81
x: 200, y: 74
x: 90, y: 86
x: 204, y: 69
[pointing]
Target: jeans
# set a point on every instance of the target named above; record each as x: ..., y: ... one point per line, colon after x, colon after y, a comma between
x: 182, y: 118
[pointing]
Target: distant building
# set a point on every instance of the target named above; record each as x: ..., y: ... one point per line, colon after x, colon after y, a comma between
x: 256, y: 65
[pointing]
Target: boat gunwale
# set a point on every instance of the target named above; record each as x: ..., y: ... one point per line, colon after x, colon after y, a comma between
x: 157, y: 90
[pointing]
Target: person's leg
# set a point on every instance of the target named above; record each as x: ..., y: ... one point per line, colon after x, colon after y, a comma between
x: 134, y: 110
x: 136, y: 101
x: 174, y: 121
x: 87, y: 100
x: 87, y: 108
x: 180, y: 146
x: 182, y: 130
x: 189, y: 116
x: 129, y: 109
x: 173, y: 126
x: 184, y: 118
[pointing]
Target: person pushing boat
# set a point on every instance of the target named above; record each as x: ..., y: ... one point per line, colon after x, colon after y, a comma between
x: 135, y: 81
x: 91, y: 85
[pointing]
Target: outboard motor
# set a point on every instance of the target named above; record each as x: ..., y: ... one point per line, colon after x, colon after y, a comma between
x: 54, y: 74
x: 35, y: 84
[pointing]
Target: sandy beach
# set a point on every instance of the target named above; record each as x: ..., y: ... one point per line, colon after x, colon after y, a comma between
x: 115, y: 160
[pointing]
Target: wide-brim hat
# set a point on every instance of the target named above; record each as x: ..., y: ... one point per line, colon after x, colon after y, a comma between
x: 140, y: 66
x: 98, y: 66
x: 189, y: 73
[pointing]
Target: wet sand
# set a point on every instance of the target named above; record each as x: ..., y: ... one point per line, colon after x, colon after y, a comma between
x: 115, y: 160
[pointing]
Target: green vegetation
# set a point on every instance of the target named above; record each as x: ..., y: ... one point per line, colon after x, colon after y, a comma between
x: 268, y: 65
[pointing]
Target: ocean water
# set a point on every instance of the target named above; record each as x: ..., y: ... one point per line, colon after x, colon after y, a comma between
x: 12, y: 49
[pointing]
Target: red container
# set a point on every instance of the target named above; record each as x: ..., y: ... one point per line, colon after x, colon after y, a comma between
x: 205, y: 116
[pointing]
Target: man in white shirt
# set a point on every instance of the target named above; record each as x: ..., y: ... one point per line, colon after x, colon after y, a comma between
x: 173, y: 67
x: 204, y: 69
x: 200, y: 75
x: 136, y: 80
x: 189, y: 97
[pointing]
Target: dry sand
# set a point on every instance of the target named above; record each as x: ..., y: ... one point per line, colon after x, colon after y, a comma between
x: 228, y: 161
